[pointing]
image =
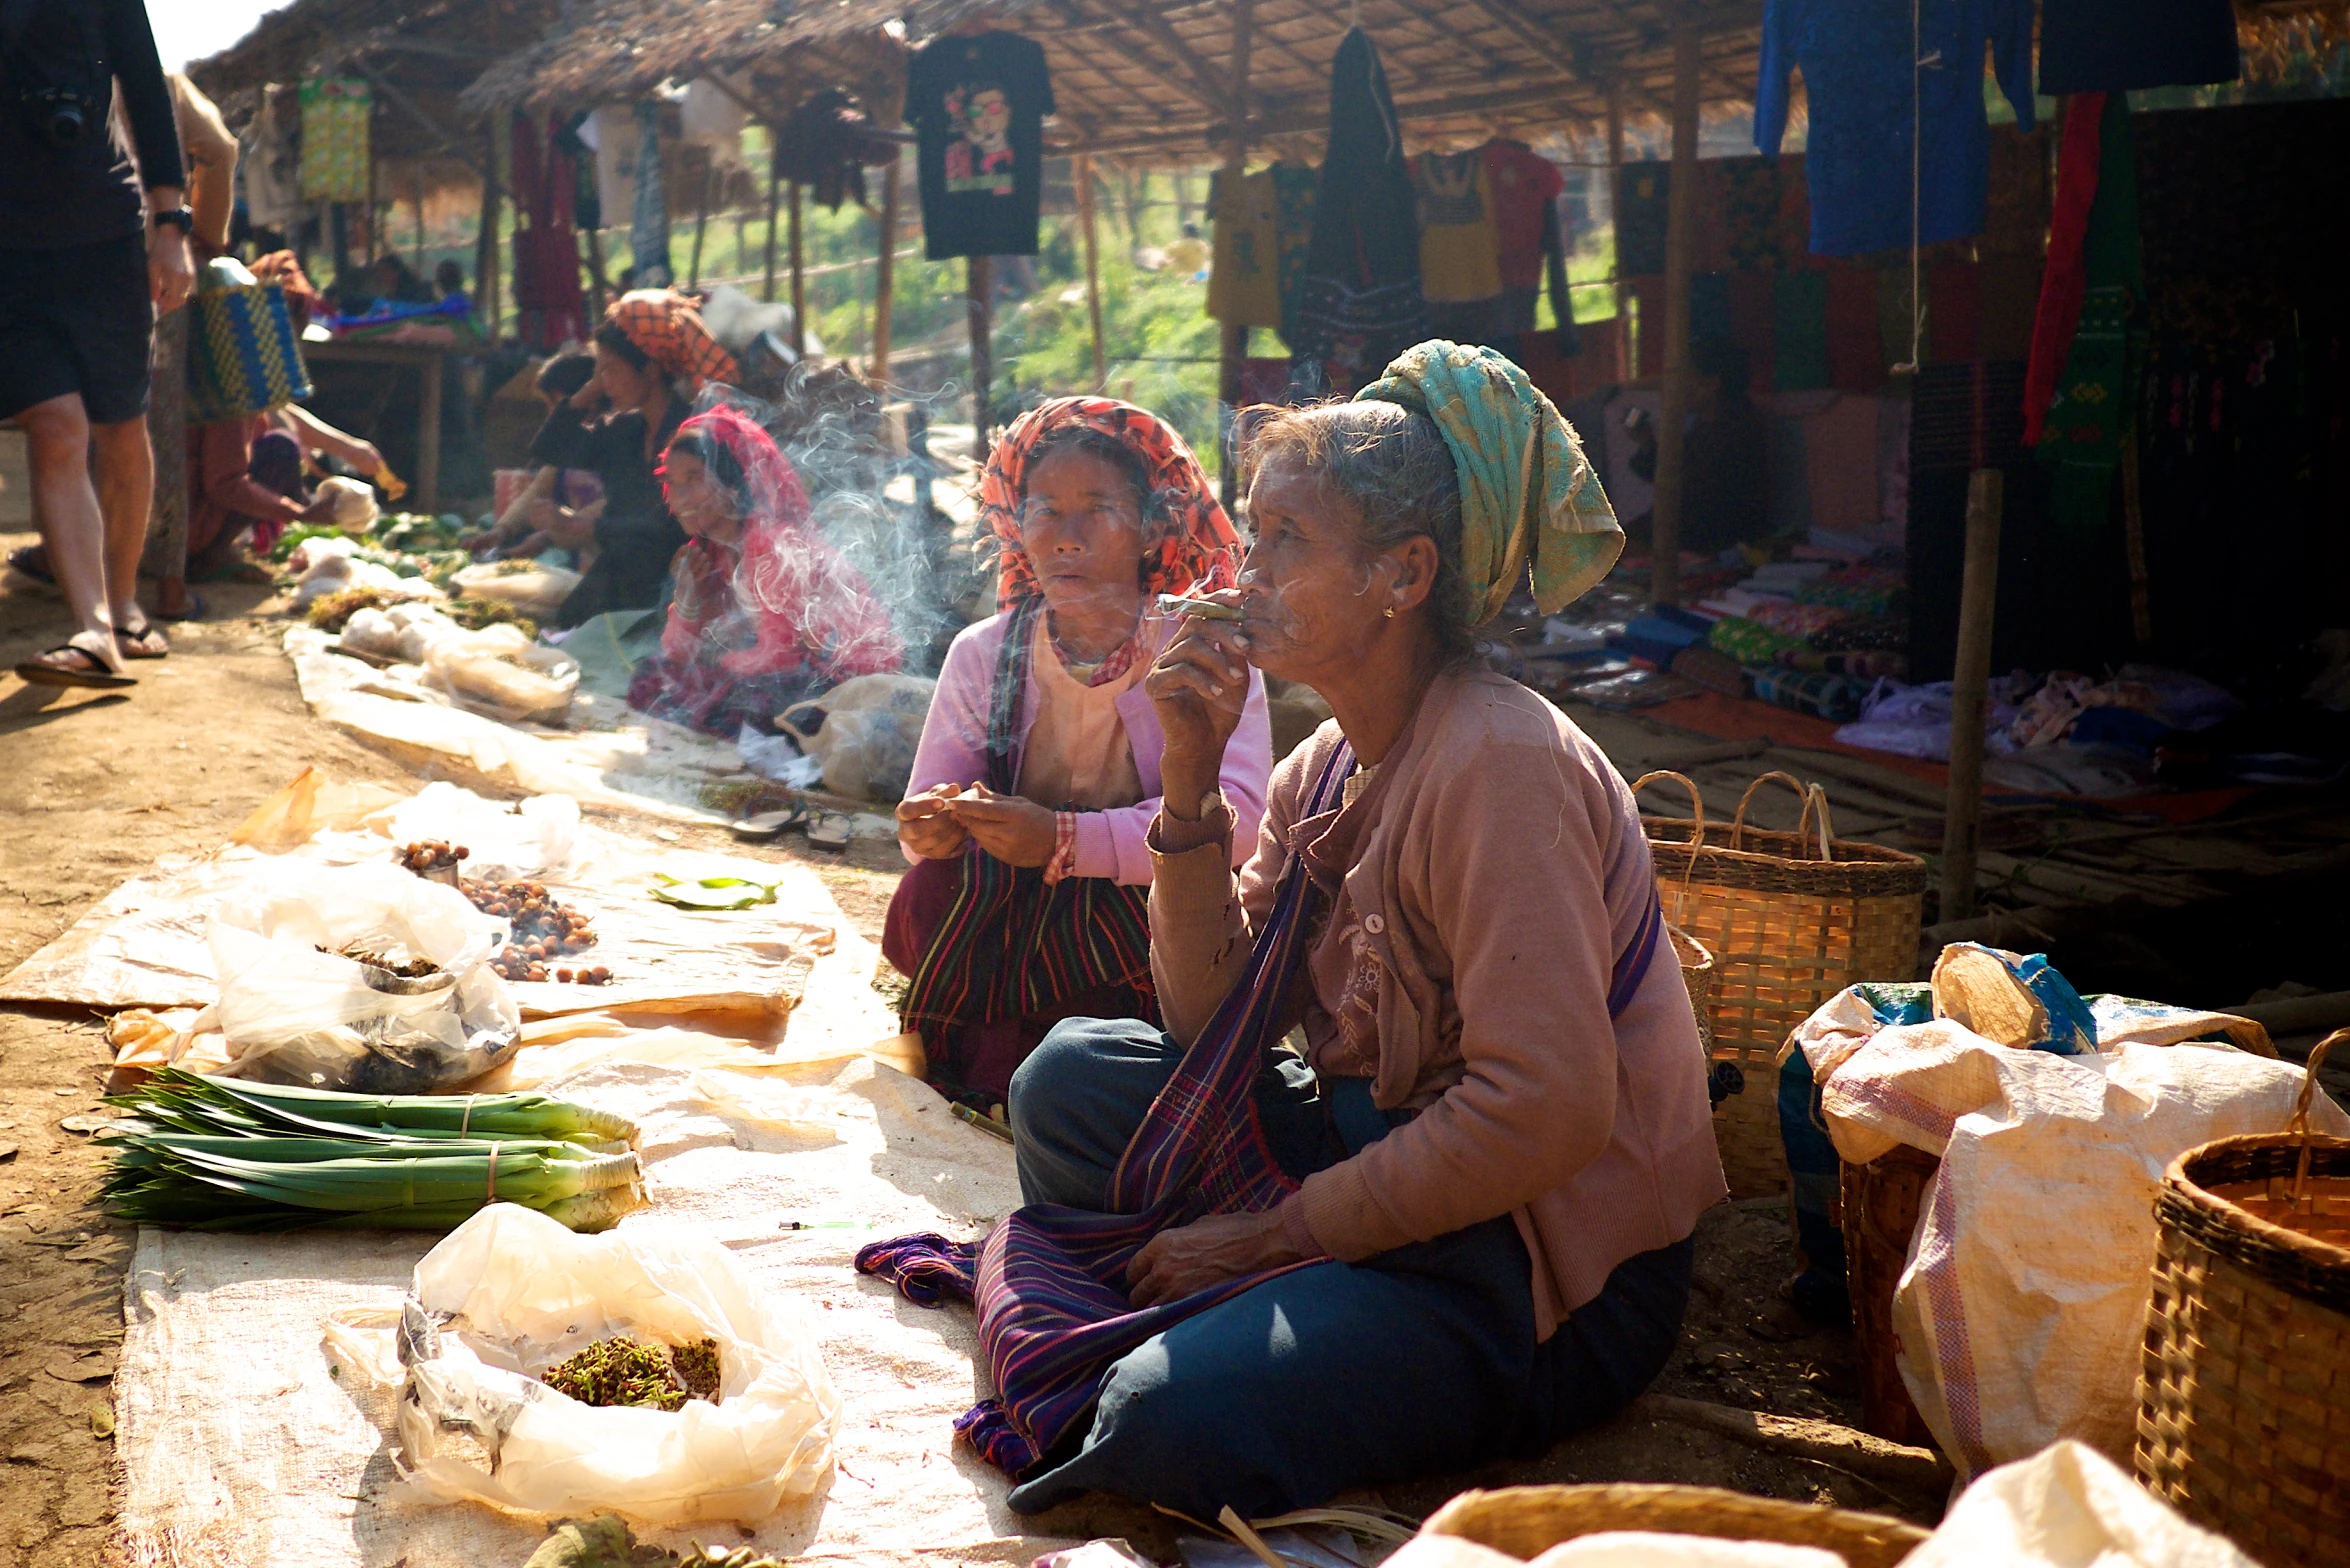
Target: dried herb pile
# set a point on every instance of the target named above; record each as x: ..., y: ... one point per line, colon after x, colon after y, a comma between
x: 625, y: 1371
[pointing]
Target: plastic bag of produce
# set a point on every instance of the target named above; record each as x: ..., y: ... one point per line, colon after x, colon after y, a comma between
x: 510, y: 1295
x: 864, y: 732
x: 500, y: 672
x: 362, y: 978
x: 535, y: 589
x: 351, y: 501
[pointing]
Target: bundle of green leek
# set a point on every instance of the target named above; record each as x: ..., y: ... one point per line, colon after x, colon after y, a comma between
x: 208, y: 1153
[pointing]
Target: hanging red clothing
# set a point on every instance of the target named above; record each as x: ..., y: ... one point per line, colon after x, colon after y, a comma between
x: 2066, y: 282
x: 546, y: 254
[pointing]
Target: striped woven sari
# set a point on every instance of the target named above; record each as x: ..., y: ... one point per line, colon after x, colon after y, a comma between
x: 1049, y: 1283
x: 1011, y: 947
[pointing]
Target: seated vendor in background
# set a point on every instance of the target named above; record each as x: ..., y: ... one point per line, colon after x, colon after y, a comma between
x: 764, y: 612
x: 1038, y: 771
x: 652, y: 356
x: 248, y: 482
x: 559, y: 507
x: 1499, y: 1134
x: 1726, y: 489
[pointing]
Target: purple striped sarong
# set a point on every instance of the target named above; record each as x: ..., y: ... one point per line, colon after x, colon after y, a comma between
x: 1049, y: 1283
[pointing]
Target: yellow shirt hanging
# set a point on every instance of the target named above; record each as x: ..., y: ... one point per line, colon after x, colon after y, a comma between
x: 1460, y: 248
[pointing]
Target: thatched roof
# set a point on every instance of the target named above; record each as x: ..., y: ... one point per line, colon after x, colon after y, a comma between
x: 772, y: 54
x: 1149, y: 80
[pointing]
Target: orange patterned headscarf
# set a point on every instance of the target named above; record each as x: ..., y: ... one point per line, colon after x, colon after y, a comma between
x: 667, y: 327
x: 1194, y: 546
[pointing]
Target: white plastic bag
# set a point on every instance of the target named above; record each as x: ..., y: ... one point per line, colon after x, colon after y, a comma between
x: 864, y: 732
x: 510, y: 1294
x: 295, y: 1014
x: 531, y: 838
x: 500, y: 672
x: 2069, y: 1507
x: 537, y: 590
x: 352, y: 503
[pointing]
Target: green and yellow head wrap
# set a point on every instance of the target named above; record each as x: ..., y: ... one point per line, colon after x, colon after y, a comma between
x: 1529, y: 497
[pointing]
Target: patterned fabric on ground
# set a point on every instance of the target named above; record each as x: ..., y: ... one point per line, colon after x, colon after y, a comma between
x: 1195, y: 548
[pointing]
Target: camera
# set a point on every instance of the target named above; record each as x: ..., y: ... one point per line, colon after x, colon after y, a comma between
x: 60, y: 114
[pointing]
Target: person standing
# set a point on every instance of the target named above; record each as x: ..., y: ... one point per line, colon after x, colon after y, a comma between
x: 85, y: 265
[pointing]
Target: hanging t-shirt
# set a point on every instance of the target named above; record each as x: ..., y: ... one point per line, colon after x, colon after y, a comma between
x: 978, y: 105
x: 1244, y: 283
x: 1526, y: 188
x: 1644, y: 193
x: 1858, y: 58
x: 1460, y: 248
x: 1293, y: 231
x: 335, y: 115
x: 2101, y: 46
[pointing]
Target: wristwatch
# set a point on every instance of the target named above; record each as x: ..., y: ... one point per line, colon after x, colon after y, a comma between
x: 180, y: 217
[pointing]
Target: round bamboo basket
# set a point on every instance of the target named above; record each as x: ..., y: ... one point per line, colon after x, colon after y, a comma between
x: 1790, y: 919
x: 1880, y: 1213
x: 1526, y: 1521
x: 2244, y: 1395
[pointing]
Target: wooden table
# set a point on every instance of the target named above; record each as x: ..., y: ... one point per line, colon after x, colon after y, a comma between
x: 426, y: 359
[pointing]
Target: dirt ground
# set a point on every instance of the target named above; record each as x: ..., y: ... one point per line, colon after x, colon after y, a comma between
x: 95, y: 787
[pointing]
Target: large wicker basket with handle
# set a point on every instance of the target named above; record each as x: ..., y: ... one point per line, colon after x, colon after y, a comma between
x: 1526, y: 1521
x: 2244, y: 1396
x: 1791, y: 919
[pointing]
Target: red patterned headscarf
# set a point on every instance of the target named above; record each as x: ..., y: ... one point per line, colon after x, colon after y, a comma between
x: 667, y: 329
x: 1193, y: 546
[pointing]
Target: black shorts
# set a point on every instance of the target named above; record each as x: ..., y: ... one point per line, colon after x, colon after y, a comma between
x: 77, y: 320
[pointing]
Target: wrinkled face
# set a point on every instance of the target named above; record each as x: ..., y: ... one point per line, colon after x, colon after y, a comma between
x: 701, y: 505
x: 990, y: 115
x: 627, y: 386
x: 1314, y: 604
x: 1082, y: 523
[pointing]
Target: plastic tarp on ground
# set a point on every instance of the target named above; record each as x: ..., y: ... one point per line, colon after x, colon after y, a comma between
x: 242, y: 1445
x: 145, y: 944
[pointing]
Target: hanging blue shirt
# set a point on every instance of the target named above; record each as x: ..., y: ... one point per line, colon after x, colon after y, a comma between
x: 1855, y: 59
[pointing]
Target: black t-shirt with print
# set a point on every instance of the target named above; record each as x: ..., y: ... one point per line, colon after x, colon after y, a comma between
x: 979, y: 104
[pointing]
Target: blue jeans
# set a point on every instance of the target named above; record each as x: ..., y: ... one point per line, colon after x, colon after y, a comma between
x: 1416, y: 1362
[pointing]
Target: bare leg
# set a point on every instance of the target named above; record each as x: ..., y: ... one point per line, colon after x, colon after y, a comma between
x: 73, y: 531
x: 126, y: 495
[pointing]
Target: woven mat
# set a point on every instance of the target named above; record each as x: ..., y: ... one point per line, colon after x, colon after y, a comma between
x: 241, y: 1446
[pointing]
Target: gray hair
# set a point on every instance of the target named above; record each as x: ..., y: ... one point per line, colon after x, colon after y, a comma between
x: 1396, y: 475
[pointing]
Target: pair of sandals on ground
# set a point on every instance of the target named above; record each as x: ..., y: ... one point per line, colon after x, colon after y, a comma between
x: 76, y: 661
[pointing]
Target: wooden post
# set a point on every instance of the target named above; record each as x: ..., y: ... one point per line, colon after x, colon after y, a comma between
x: 774, y: 202
x: 422, y: 270
x: 1233, y: 344
x: 1081, y: 170
x: 428, y: 435
x: 486, y: 301
x: 693, y: 271
x: 1970, y: 680
x: 166, y: 554
x: 1625, y: 369
x: 799, y: 280
x: 979, y: 300
x: 885, y: 273
x: 1672, y: 436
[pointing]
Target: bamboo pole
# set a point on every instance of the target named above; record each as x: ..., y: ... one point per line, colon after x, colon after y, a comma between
x: 166, y: 554
x: 799, y: 279
x: 885, y: 273
x: 1625, y: 369
x: 1233, y: 344
x: 422, y: 270
x: 774, y: 201
x: 1672, y: 436
x: 1081, y: 170
x: 693, y: 272
x: 487, y: 304
x: 979, y: 301
x: 1970, y: 691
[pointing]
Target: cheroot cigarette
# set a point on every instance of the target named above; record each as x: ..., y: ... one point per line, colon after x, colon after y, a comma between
x: 1204, y: 609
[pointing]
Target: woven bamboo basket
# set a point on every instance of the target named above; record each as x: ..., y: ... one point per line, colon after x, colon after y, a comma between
x: 1791, y: 919
x: 2244, y: 1395
x: 1526, y: 1521
x: 1880, y: 1213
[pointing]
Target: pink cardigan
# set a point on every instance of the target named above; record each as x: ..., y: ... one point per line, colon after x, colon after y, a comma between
x: 1109, y: 843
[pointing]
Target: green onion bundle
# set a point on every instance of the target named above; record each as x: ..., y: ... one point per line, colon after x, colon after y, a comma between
x: 215, y: 1154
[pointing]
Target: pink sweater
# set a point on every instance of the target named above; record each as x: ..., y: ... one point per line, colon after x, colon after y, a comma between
x: 1109, y: 843
x: 1487, y: 875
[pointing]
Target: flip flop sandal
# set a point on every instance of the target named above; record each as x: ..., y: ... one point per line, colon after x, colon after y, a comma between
x: 31, y: 561
x: 769, y: 824
x: 97, y: 676
x: 125, y: 636
x: 829, y: 831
